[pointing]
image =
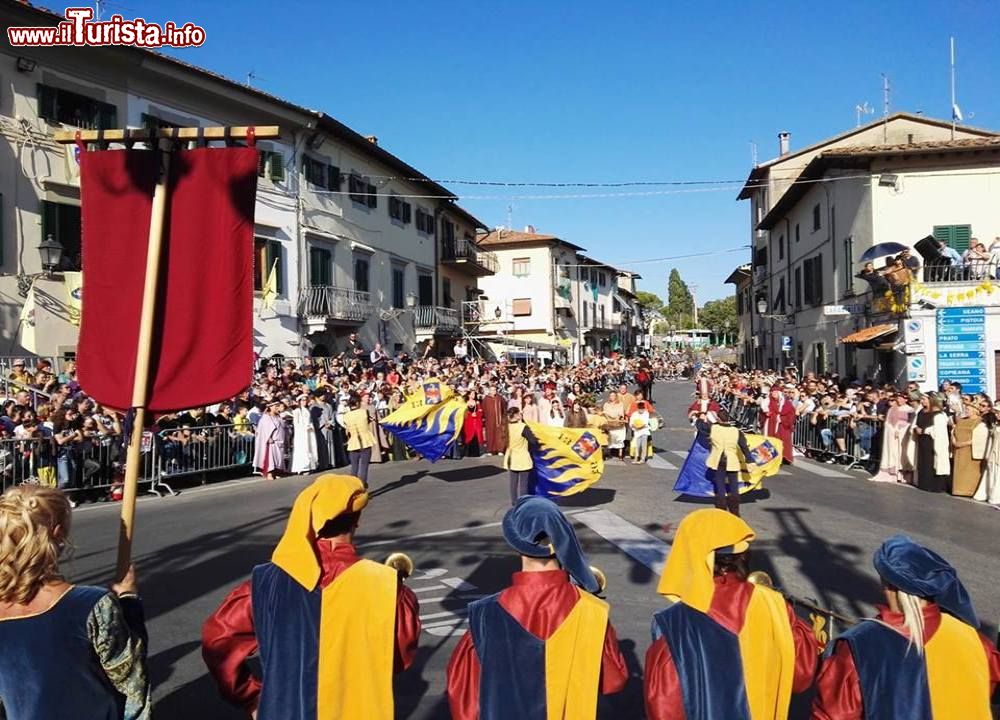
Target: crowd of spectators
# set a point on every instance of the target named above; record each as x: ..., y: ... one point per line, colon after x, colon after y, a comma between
x: 943, y: 441
x: 52, y: 433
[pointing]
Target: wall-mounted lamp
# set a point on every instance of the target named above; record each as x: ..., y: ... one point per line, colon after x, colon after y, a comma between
x: 26, y: 65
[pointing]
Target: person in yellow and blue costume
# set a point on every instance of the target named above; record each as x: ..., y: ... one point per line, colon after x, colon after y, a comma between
x: 726, y: 648
x: 921, y: 658
x: 543, y: 649
x: 330, y: 628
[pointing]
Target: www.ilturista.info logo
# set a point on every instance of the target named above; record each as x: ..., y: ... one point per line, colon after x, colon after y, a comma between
x: 80, y: 29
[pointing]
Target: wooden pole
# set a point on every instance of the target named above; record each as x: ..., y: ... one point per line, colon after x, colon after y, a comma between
x: 140, y: 383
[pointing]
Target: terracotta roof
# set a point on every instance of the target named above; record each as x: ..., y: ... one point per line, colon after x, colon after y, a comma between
x: 514, y: 237
x: 933, y: 146
x: 870, y: 333
x: 758, y: 175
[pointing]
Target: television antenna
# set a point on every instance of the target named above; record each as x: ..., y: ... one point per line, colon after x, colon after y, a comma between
x: 862, y: 110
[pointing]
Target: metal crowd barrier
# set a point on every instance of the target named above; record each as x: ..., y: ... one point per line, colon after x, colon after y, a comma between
x: 87, y: 468
x: 854, y: 442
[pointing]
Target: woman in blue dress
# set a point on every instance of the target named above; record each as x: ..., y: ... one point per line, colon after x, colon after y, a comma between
x: 70, y: 652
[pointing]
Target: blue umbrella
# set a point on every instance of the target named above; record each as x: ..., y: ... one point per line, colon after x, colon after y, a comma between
x: 882, y: 249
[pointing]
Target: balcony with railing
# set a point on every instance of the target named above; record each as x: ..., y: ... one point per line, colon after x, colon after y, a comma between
x: 474, y: 259
x: 326, y: 302
x: 427, y: 317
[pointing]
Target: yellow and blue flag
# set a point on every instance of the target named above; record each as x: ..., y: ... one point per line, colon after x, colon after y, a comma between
x: 429, y: 421
x: 566, y: 460
x: 695, y: 478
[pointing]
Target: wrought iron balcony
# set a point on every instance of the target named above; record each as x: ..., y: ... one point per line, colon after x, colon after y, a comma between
x: 428, y: 316
x: 477, y: 261
x: 334, y: 303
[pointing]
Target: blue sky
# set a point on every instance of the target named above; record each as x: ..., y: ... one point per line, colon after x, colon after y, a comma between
x: 590, y: 91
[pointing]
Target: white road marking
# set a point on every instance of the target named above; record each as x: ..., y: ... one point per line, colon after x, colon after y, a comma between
x: 630, y: 539
x: 442, y: 598
x: 438, y: 533
x: 658, y: 462
x: 680, y: 453
x: 447, y: 614
x: 820, y: 469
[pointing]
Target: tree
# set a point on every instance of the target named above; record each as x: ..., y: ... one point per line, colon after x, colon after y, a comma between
x: 719, y: 316
x: 680, y: 303
x: 650, y: 301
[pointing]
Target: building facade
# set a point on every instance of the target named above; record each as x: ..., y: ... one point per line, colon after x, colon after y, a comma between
x: 338, y: 218
x: 814, y: 214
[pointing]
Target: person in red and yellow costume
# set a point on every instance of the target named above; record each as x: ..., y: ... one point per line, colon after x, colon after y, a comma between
x: 330, y: 628
x: 543, y: 649
x: 726, y: 648
x: 921, y: 658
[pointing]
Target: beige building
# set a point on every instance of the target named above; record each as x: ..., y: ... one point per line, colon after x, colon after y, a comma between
x: 816, y: 211
x: 352, y: 248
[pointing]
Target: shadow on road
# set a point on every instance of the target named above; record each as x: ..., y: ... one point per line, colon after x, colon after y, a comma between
x: 588, y: 498
x: 403, y: 481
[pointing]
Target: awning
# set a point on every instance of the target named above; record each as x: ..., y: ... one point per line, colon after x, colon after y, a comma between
x: 870, y: 333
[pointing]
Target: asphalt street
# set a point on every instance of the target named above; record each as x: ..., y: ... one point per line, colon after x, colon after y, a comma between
x: 817, y: 526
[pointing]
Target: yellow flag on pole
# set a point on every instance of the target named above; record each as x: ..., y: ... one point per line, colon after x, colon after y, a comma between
x: 28, y: 322
x: 74, y: 295
x: 269, y: 293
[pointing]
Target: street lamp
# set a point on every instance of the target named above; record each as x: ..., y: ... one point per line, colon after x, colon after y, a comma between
x: 51, y: 251
x: 411, y: 299
x: 762, y: 312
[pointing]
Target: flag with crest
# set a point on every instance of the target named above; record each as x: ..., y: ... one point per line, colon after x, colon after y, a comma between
x: 430, y: 419
x: 566, y: 460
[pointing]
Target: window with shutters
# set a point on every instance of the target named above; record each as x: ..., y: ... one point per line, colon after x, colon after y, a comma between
x: 798, y: 287
x: 361, y: 274
x: 779, y: 298
x: 62, y: 222
x: 797, y: 236
x: 271, y: 165
x: 521, y: 267
x: 398, y: 286
x: 267, y: 255
x: 320, y: 266
x: 62, y: 106
x: 816, y: 217
x: 399, y: 210
x: 812, y: 280
x: 956, y: 237
x: 372, y: 198
x: 357, y: 189
x: 425, y: 222
x: 848, y: 265
x: 317, y: 173
x: 781, y: 247
x: 521, y: 307
x: 425, y: 290
x: 446, y: 297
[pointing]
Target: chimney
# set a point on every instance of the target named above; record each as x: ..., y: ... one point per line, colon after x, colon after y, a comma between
x: 372, y: 139
x: 529, y: 229
x: 784, y: 138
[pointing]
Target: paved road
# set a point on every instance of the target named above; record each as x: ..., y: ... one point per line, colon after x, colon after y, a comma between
x: 817, y: 528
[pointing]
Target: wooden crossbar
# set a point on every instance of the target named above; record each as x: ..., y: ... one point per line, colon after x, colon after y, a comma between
x: 262, y: 132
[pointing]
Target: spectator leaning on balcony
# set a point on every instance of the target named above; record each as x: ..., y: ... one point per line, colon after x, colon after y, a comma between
x: 976, y: 261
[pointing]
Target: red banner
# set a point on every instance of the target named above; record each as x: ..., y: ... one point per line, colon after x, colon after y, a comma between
x: 202, y: 344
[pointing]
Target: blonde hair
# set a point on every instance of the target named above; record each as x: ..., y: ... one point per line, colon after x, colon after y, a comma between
x: 29, y: 543
x: 913, y: 619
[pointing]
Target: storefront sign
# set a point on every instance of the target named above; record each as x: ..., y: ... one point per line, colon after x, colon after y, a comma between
x: 961, y: 347
x: 916, y: 368
x: 913, y: 335
x: 842, y: 310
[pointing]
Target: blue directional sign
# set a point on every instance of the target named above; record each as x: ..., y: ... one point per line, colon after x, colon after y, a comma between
x: 961, y: 347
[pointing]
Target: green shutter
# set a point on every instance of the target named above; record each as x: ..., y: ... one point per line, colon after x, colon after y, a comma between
x: 274, y: 253
x: 955, y: 236
x: 276, y: 166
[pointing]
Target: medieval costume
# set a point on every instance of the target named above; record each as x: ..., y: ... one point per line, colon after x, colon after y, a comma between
x: 473, y: 433
x: 897, y: 445
x: 877, y: 669
x: 933, y: 464
x: 728, y: 446
x: 542, y: 648
x: 779, y: 421
x: 726, y: 648
x: 989, y: 486
x: 360, y: 441
x: 321, y: 414
x: 329, y: 627
x: 968, y: 450
x: 495, y: 423
x: 269, y: 443
x: 614, y: 413
x: 303, y: 439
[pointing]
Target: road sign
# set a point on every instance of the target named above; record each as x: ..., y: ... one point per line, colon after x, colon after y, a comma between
x: 961, y: 347
x: 842, y: 310
x: 916, y: 368
x: 913, y: 335
x: 786, y: 343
